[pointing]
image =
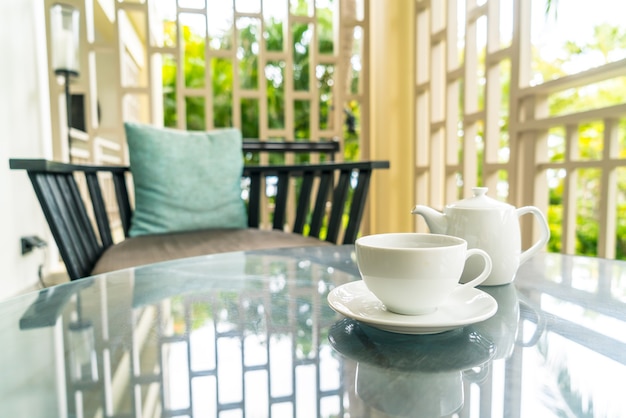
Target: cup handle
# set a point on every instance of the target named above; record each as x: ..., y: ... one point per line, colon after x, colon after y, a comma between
x: 478, y: 374
x: 545, y: 231
x: 486, y: 269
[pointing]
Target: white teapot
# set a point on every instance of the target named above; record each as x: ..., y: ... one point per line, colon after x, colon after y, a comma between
x: 490, y: 225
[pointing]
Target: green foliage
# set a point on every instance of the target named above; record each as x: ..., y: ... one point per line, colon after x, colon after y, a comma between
x: 591, y: 141
x: 222, y: 83
x: 620, y: 250
x: 554, y: 217
x: 221, y: 75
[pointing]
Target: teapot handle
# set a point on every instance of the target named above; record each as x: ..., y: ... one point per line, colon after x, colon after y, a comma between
x: 545, y: 231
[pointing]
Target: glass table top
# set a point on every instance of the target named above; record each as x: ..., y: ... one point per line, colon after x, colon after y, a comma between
x: 251, y: 334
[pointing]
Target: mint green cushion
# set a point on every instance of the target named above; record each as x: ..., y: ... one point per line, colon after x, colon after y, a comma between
x: 185, y: 180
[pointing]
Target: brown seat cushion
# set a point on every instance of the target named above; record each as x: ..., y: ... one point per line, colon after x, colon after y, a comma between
x: 136, y: 251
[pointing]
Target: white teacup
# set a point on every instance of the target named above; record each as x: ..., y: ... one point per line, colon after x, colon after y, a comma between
x: 413, y: 273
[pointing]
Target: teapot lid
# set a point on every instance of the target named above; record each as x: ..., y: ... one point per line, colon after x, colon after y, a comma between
x: 479, y: 201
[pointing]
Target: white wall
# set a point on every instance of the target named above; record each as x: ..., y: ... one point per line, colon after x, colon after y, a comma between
x: 24, y: 133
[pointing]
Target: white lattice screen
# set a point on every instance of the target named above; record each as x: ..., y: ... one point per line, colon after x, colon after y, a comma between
x: 459, y: 100
x: 277, y: 69
x: 480, y: 120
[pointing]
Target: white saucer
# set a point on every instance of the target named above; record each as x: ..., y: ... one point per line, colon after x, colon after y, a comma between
x: 463, y: 307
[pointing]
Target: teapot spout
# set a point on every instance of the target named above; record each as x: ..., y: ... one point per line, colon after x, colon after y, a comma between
x: 436, y: 221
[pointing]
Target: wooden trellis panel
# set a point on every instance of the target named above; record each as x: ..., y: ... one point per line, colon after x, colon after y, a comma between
x: 459, y: 95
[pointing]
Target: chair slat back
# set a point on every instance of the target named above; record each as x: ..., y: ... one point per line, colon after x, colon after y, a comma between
x: 357, y: 206
x: 319, y: 209
x: 318, y: 187
x: 100, y: 214
x: 304, y: 201
x: 81, y: 226
x: 67, y: 218
x: 122, y: 199
x: 340, y: 195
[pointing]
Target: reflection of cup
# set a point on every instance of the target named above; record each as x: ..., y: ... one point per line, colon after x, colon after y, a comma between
x: 503, y: 327
x: 413, y: 273
x: 410, y: 393
x: 411, y: 375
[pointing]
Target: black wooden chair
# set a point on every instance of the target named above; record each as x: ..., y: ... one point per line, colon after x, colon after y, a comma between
x: 83, y: 231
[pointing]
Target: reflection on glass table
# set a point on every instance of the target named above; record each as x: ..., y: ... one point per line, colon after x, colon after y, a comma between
x: 251, y: 334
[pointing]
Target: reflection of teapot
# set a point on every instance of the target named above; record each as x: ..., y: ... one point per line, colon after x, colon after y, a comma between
x: 412, y: 375
x: 490, y: 225
x: 503, y: 327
